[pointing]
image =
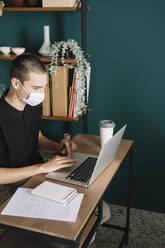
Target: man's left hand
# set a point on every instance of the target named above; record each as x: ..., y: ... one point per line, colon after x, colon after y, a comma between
x: 66, y: 148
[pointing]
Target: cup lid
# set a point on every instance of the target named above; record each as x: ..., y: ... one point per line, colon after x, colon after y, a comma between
x: 106, y: 124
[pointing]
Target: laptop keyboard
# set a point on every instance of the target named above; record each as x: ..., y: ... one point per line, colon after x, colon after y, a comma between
x: 84, y: 171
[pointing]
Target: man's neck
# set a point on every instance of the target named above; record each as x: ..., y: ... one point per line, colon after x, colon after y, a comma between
x: 13, y: 99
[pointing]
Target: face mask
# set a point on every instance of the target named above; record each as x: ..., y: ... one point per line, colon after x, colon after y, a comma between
x: 34, y: 98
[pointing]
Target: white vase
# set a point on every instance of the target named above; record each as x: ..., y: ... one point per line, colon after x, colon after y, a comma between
x: 45, y: 48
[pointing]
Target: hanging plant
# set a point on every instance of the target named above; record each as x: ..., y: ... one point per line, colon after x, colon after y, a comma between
x: 69, y: 49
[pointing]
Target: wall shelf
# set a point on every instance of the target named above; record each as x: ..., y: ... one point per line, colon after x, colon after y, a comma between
x: 39, y: 9
x: 61, y: 118
x: 43, y: 59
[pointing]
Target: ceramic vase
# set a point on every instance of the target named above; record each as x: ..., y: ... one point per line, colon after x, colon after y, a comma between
x: 45, y: 49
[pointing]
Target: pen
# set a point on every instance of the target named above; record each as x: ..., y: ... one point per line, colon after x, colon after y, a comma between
x: 67, y: 144
x: 67, y: 138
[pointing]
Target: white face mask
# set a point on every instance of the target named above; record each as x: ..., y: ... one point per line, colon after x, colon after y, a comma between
x: 34, y: 98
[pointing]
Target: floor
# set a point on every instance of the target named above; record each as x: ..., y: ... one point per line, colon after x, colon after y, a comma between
x: 147, y: 230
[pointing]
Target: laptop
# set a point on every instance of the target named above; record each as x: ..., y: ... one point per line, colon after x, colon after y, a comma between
x: 88, y: 167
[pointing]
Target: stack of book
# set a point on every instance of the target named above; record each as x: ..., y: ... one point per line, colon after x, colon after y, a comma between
x: 55, y: 192
x: 61, y: 98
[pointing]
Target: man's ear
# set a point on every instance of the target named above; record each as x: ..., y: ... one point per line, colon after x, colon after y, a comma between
x: 15, y: 83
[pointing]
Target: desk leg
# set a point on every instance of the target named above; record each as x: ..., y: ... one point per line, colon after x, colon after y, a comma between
x: 129, y: 194
x: 126, y: 228
x: 98, y: 212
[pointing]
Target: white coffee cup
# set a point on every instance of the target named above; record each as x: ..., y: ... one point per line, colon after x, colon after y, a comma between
x: 106, y: 130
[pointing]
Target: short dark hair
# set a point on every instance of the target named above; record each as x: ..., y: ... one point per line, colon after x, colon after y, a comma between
x: 23, y: 64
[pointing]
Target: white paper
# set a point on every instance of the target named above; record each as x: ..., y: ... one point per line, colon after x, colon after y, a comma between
x: 24, y: 204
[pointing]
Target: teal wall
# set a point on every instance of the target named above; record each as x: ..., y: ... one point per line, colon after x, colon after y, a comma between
x: 127, y: 42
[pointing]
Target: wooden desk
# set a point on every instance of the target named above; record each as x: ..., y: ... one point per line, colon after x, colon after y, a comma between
x: 75, y: 234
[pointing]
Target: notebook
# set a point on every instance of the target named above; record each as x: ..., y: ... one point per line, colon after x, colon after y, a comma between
x: 55, y: 192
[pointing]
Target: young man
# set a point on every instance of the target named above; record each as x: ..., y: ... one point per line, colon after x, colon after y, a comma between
x: 20, y: 123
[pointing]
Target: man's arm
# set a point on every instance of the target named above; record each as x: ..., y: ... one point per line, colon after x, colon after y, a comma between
x: 11, y: 175
x: 45, y: 144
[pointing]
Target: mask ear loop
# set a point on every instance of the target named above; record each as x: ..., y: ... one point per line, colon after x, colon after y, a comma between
x: 23, y: 88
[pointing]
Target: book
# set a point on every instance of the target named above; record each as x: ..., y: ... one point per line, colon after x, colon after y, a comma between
x: 75, y: 106
x: 70, y: 82
x: 88, y: 80
x: 55, y: 192
x: 61, y: 3
x: 46, y: 108
x: 73, y: 95
x: 59, y: 91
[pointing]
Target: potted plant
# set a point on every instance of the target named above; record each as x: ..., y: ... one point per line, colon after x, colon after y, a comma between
x: 62, y: 50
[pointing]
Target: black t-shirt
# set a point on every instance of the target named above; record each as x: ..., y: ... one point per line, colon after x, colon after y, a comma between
x: 18, y: 135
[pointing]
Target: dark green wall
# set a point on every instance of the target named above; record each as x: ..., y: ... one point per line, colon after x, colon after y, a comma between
x: 127, y: 42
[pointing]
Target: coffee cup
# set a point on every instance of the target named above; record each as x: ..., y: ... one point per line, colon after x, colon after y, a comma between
x: 106, y: 130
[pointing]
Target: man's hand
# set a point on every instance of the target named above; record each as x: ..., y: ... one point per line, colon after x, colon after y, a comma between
x: 66, y: 148
x: 57, y: 163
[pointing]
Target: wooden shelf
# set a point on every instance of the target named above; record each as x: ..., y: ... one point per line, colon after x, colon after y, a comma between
x: 6, y: 57
x: 61, y: 118
x: 43, y: 59
x: 39, y: 9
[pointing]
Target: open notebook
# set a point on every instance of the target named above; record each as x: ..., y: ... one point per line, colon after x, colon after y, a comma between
x: 55, y: 192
